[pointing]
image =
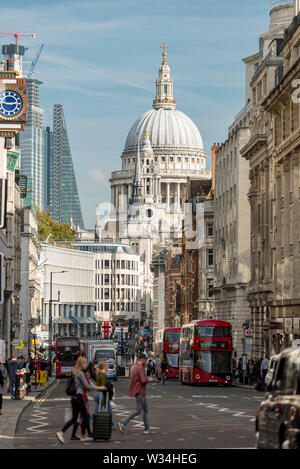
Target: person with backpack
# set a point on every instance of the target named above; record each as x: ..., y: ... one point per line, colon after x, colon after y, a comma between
x: 100, y: 398
x: 149, y: 366
x: 75, y: 389
x: 163, y: 370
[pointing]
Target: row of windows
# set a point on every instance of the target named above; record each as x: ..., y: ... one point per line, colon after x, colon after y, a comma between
x: 68, y: 310
x: 171, y: 159
x: 121, y: 307
x: 118, y: 279
x: 116, y: 264
x: 118, y: 294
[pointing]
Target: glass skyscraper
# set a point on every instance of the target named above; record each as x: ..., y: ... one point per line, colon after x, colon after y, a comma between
x: 61, y: 193
x: 32, y: 143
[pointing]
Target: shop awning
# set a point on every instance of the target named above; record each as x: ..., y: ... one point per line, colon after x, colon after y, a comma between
x: 65, y: 320
x: 57, y: 321
x: 85, y: 321
x: 75, y: 320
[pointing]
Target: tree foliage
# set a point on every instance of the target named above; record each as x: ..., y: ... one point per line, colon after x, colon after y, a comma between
x: 47, y: 226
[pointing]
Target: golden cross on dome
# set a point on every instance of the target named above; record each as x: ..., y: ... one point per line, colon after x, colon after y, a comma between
x: 164, y: 54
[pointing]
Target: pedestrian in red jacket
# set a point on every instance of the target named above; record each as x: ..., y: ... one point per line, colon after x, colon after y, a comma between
x: 137, y: 389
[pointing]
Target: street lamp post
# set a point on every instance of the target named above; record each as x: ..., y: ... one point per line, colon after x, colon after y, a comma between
x: 50, y: 320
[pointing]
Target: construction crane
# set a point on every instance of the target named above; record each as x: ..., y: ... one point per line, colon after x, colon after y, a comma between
x: 9, y: 33
x: 34, y: 62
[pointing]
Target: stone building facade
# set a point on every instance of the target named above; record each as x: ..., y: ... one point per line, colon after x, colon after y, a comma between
x: 235, y: 260
x: 273, y: 155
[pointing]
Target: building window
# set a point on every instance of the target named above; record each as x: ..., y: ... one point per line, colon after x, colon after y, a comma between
x: 106, y: 264
x: 210, y: 286
x: 106, y: 279
x: 210, y: 229
x: 106, y: 293
x: 210, y: 257
x: 106, y: 306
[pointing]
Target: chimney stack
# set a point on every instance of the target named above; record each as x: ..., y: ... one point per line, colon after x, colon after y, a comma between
x: 214, y: 148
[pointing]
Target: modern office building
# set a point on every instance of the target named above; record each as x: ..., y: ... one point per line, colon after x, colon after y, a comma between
x: 48, y: 167
x: 67, y: 282
x: 64, y: 202
x: 118, y: 280
x: 32, y: 143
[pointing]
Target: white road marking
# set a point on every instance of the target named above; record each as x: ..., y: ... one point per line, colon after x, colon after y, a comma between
x: 38, y: 417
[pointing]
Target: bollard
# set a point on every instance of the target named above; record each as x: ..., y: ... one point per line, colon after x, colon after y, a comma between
x: 17, y: 386
x: 20, y: 384
x: 28, y: 382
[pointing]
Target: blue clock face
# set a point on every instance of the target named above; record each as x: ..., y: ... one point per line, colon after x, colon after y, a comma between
x: 11, y: 103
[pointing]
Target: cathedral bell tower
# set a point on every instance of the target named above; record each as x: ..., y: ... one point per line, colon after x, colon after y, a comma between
x: 164, y: 85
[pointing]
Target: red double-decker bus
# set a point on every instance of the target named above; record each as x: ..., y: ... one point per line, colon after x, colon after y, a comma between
x: 67, y: 351
x: 206, y: 352
x: 166, y: 345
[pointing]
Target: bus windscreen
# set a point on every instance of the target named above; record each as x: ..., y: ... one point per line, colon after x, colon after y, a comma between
x: 212, y: 362
x: 212, y: 331
x: 172, y: 336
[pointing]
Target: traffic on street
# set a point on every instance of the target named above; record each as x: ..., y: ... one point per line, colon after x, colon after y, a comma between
x: 180, y: 416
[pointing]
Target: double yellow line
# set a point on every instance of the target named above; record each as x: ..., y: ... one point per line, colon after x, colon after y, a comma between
x: 46, y: 395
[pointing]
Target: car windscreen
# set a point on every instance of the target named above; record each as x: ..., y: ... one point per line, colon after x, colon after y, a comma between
x: 104, y: 354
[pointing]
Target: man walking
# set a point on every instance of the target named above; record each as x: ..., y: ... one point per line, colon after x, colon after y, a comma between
x: 137, y: 389
x: 13, y: 366
x: 264, y: 368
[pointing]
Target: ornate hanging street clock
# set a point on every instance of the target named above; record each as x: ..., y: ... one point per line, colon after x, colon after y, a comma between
x: 13, y: 104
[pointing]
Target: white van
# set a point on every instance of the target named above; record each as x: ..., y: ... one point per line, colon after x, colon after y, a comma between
x: 271, y: 369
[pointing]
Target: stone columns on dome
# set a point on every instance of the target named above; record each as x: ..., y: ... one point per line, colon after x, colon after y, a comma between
x: 178, y: 195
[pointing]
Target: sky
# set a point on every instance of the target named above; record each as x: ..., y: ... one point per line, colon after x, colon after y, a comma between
x: 101, y: 58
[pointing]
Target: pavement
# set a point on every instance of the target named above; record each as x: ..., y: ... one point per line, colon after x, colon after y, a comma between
x: 13, y: 409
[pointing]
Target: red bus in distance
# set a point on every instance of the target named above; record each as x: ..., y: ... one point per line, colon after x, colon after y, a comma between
x: 166, y: 344
x: 67, y: 351
x: 206, y: 352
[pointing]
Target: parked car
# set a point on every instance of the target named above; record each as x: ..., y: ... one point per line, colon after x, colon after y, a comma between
x: 112, y: 372
x: 271, y: 369
x: 278, y: 417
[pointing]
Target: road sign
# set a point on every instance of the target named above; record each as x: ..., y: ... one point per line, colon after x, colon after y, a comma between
x: 245, y: 326
x: 249, y: 332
